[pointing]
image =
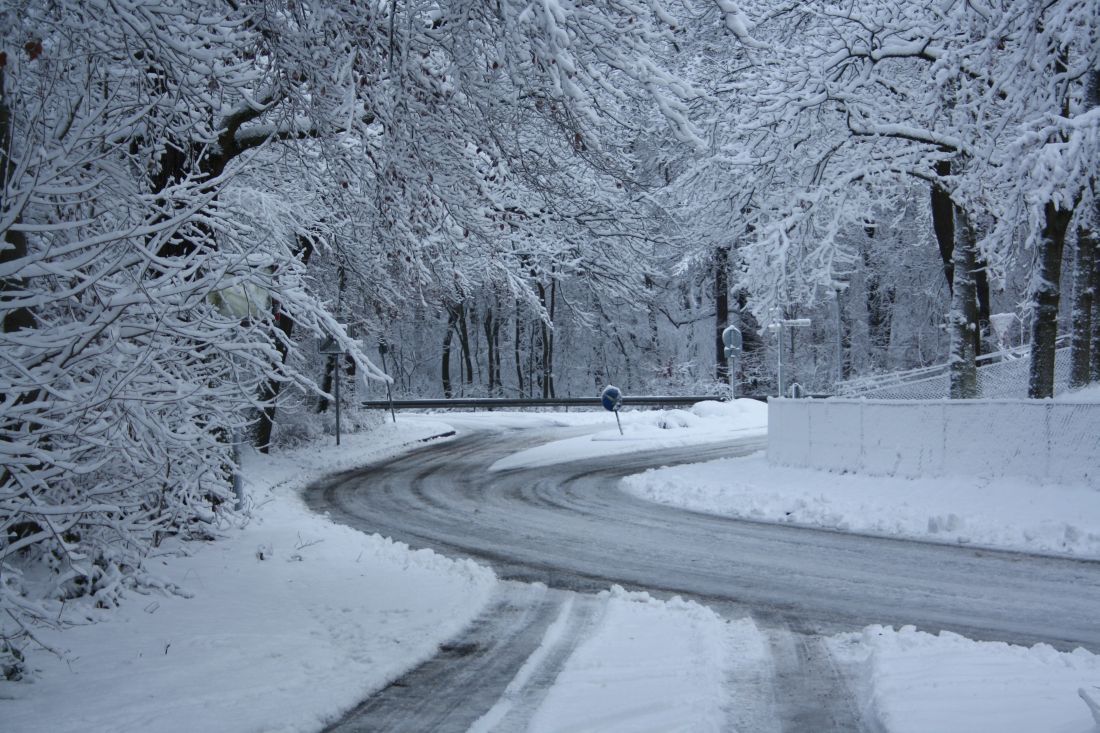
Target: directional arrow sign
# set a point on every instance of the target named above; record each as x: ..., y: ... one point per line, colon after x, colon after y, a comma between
x: 611, y: 398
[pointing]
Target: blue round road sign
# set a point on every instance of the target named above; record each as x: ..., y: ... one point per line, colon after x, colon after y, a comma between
x: 611, y: 398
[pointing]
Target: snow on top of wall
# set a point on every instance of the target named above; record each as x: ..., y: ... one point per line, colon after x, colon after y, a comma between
x: 646, y: 430
x: 1086, y: 394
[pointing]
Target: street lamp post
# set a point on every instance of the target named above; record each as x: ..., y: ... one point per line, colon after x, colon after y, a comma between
x: 839, y: 342
x: 777, y: 326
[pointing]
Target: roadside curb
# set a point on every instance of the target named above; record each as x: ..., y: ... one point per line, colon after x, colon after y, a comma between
x: 397, y: 449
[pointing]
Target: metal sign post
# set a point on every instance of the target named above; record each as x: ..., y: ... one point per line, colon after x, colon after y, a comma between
x: 331, y: 348
x: 389, y: 394
x: 612, y: 399
x: 731, y: 337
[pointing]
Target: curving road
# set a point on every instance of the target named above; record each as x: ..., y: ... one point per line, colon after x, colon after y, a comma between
x: 571, y: 528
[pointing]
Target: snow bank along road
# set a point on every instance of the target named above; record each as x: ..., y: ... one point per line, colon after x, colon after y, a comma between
x: 571, y: 528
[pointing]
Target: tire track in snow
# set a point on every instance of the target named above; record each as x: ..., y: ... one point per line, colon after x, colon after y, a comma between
x: 450, y: 691
x: 811, y: 692
x: 528, y: 689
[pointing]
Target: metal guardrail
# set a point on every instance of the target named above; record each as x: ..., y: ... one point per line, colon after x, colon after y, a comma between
x: 485, y: 403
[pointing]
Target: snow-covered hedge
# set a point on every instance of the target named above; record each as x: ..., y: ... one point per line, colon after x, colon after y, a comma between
x: 1057, y: 441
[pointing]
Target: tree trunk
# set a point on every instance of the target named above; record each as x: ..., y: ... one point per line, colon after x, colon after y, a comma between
x: 269, y: 393
x: 452, y: 318
x: 516, y: 351
x: 546, y: 373
x: 487, y: 325
x: 721, y: 312
x: 15, y: 248
x: 553, y: 315
x: 534, y: 378
x: 496, y: 356
x: 1093, y: 100
x: 943, y: 224
x: 1083, y: 297
x: 16, y: 242
x: 549, y: 364
x: 879, y: 303
x: 1045, y: 298
x: 547, y: 388
x: 963, y: 318
x: 464, y: 344
x: 1094, y: 360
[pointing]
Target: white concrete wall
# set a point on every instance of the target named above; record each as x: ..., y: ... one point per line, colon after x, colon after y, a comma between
x: 1059, y: 441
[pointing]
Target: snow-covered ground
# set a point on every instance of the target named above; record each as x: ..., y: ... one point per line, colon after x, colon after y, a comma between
x: 647, y: 430
x: 287, y: 642
x: 641, y: 664
x: 914, y: 682
x: 649, y: 665
x: 292, y: 619
x: 1006, y: 512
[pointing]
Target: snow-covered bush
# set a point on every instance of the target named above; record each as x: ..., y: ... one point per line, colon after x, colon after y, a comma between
x: 297, y: 425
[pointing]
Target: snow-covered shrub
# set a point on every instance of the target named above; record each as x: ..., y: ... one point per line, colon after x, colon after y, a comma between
x: 296, y: 425
x: 354, y: 419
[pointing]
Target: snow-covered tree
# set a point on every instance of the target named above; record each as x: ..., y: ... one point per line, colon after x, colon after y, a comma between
x: 837, y: 104
x: 192, y: 189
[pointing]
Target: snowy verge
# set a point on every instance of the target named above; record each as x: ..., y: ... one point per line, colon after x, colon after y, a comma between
x: 282, y: 643
x: 649, y: 430
x: 1008, y: 513
x: 915, y: 682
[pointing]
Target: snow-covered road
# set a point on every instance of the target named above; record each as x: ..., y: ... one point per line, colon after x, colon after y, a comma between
x: 571, y: 528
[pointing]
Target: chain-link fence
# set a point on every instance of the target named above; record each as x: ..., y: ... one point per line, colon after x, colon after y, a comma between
x: 1001, y: 375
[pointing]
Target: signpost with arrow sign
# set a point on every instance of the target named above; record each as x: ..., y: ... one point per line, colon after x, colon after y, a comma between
x: 612, y: 399
x: 731, y: 338
x: 329, y: 347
